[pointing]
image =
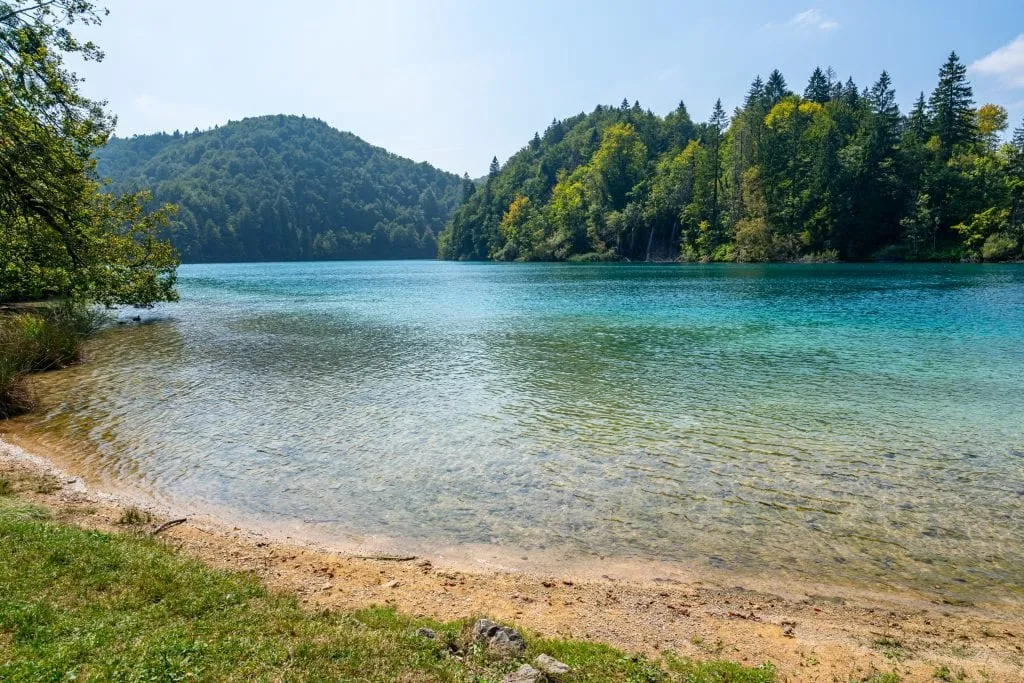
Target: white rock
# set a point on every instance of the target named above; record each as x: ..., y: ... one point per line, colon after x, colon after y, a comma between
x: 551, y: 666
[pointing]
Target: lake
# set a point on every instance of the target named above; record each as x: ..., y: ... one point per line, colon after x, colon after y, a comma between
x: 856, y: 423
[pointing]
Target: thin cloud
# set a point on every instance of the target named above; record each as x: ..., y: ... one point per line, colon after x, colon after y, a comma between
x: 812, y: 19
x: 1006, y: 63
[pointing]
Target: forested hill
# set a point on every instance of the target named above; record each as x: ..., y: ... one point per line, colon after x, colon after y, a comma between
x: 834, y: 172
x: 285, y: 188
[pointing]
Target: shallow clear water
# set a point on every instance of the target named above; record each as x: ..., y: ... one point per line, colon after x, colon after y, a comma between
x: 845, y: 422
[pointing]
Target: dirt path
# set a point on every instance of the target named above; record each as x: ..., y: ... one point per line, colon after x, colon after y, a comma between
x: 824, y: 636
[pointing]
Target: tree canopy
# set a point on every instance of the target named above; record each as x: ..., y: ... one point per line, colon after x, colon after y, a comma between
x: 837, y: 173
x: 285, y: 188
x: 61, y: 236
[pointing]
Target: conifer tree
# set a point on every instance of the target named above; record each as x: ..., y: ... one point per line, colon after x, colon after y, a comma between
x: 951, y: 107
x: 775, y: 89
x: 818, y: 89
x: 716, y: 127
x: 918, y: 123
x: 754, y: 93
x: 882, y: 98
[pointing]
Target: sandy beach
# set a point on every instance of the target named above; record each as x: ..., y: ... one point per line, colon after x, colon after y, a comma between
x: 810, y: 632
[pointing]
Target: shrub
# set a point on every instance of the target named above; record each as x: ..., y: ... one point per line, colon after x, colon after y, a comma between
x: 999, y: 247
x: 594, y: 257
x: 826, y: 256
x: 724, y: 253
x: 754, y: 241
x: 133, y: 516
x: 892, y: 253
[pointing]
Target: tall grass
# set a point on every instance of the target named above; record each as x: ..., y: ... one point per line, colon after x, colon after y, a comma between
x: 36, y: 340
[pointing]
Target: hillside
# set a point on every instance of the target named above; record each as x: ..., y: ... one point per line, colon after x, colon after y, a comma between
x: 836, y: 173
x: 285, y: 188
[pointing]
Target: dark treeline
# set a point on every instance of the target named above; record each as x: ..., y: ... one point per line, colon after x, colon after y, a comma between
x: 833, y: 173
x: 285, y: 188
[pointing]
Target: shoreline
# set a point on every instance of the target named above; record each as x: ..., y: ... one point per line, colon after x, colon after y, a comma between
x: 810, y: 632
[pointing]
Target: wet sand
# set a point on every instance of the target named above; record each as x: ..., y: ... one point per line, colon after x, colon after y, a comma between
x: 810, y: 632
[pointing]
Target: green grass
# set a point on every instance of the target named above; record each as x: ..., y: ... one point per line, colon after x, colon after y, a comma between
x: 892, y: 648
x: 38, y: 339
x: 85, y: 605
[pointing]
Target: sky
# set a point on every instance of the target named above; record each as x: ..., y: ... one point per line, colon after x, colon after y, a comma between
x: 455, y: 82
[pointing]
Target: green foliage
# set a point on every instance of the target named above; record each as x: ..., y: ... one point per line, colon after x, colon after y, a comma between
x: 82, y: 604
x: 44, y: 339
x: 594, y: 257
x: 838, y: 173
x: 61, y: 236
x: 285, y: 188
x: 1000, y: 247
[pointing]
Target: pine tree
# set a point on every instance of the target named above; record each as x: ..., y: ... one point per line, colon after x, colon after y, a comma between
x: 818, y: 89
x: 776, y: 88
x: 918, y: 123
x: 754, y: 94
x: 882, y: 98
x: 951, y: 107
x: 849, y: 93
x: 492, y: 173
x: 1018, y: 139
x: 1015, y: 175
x: 716, y: 127
x: 468, y: 188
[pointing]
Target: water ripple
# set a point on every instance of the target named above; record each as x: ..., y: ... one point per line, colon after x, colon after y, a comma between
x: 859, y: 422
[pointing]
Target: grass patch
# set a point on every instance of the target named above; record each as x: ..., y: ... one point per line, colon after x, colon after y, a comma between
x: 6, y: 488
x: 133, y: 516
x: 892, y: 648
x: 89, y: 605
x: 44, y: 338
x: 944, y: 674
x: 887, y: 677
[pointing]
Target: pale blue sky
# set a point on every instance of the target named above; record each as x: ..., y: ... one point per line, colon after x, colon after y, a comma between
x: 454, y: 82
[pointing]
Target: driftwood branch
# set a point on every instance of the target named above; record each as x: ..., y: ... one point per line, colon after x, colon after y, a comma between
x: 386, y: 558
x: 167, y: 525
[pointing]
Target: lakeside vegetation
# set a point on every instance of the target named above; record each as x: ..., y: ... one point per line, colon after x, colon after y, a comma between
x: 87, y: 605
x: 834, y: 173
x: 285, y: 188
x: 36, y: 340
x: 65, y: 239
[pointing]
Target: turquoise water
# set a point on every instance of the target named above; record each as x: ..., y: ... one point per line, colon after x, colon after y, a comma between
x: 848, y: 422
